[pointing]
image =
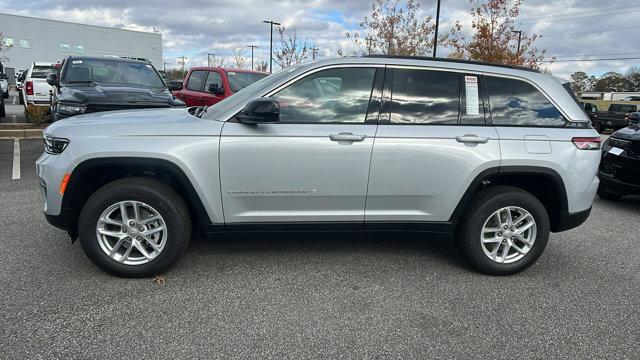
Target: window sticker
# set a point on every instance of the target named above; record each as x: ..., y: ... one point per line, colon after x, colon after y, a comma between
x: 76, y: 62
x: 471, y: 91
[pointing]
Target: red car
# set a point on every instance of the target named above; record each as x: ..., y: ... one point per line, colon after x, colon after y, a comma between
x: 209, y: 85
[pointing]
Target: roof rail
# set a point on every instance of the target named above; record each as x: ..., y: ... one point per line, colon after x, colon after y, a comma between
x: 459, y: 61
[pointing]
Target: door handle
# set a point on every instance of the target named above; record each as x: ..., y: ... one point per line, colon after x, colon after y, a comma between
x: 472, y: 139
x: 347, y: 137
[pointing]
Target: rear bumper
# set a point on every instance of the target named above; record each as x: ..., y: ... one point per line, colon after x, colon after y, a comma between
x: 618, y: 187
x: 571, y: 220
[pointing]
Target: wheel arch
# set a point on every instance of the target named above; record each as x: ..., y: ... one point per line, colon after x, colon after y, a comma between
x: 92, y: 174
x: 544, y: 183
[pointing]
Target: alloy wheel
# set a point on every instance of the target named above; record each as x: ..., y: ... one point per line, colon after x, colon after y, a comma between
x: 508, y: 234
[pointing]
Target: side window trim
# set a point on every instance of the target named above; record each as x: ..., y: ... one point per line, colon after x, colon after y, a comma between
x: 375, y: 99
x: 488, y: 117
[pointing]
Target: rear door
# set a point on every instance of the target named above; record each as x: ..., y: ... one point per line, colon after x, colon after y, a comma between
x: 313, y: 165
x: 431, y: 143
x: 193, y: 93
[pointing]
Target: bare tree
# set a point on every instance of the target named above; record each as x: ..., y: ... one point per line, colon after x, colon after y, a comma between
x: 262, y: 66
x: 239, y: 57
x: 291, y: 50
x: 3, y: 49
x: 397, y: 28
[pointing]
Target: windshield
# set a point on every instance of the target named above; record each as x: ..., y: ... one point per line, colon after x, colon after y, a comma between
x: 41, y: 72
x: 240, y: 80
x: 108, y: 71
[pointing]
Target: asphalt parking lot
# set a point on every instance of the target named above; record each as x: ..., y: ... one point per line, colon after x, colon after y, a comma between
x: 315, y: 296
x: 14, y: 111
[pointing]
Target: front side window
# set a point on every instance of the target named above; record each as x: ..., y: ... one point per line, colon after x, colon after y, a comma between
x: 330, y: 96
x: 24, y: 43
x: 518, y: 103
x: 213, y: 78
x: 424, y: 97
x: 196, y: 80
x: 628, y: 108
x: 65, y: 47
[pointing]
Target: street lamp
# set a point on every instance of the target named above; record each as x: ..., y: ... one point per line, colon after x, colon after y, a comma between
x: 252, y: 47
x: 271, y: 45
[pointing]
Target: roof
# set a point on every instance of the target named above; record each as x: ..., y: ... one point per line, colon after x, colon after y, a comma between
x: 217, y: 68
x: 121, y: 59
x: 459, y: 61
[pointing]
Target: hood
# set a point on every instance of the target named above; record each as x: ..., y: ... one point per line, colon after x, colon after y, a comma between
x: 148, y: 122
x: 87, y: 93
x: 631, y: 133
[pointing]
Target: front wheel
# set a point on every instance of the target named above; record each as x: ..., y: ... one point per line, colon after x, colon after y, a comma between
x: 505, y: 231
x: 134, y: 227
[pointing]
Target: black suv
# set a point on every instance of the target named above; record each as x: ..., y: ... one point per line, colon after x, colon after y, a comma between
x: 620, y: 165
x: 92, y: 84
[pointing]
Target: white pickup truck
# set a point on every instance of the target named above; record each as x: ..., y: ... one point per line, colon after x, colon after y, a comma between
x: 35, y: 90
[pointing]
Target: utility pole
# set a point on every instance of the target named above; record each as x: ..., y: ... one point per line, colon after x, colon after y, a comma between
x: 435, y: 39
x: 314, y: 50
x: 252, y: 47
x: 519, y: 32
x: 182, y: 60
x: 271, y: 44
x: 164, y: 65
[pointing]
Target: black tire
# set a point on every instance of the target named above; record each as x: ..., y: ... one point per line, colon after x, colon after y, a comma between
x: 606, y: 195
x: 2, y: 109
x: 162, y: 198
x: 484, y: 204
x: 20, y: 98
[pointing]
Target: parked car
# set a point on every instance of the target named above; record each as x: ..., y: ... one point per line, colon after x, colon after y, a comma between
x: 92, y: 84
x: 35, y: 90
x: 20, y: 78
x: 4, y: 85
x: 2, y: 109
x: 209, y: 85
x: 616, y: 117
x: 632, y: 98
x: 591, y: 110
x: 620, y: 166
x: 373, y: 143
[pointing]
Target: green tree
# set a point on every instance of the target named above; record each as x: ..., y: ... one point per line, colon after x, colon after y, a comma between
x: 633, y: 75
x: 581, y: 82
x: 612, y: 81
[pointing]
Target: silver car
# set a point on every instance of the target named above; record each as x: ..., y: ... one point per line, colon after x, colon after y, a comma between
x: 495, y: 157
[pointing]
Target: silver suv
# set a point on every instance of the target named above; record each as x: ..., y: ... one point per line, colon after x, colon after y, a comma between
x: 493, y: 156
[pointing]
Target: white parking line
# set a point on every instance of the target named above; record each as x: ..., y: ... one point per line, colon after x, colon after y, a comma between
x: 16, y: 159
x: 14, y: 101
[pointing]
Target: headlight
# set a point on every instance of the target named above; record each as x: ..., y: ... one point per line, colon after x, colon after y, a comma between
x: 70, y: 109
x: 54, y: 145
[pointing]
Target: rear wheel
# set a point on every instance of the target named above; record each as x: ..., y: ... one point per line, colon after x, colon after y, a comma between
x: 505, y: 231
x: 20, y: 98
x: 134, y: 227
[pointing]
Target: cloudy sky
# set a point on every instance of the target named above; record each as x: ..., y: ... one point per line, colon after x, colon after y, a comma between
x: 571, y: 29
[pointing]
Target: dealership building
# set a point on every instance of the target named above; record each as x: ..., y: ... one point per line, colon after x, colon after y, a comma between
x: 34, y: 40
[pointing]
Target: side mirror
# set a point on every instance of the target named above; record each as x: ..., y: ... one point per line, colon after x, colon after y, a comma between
x: 175, y: 85
x: 52, y: 80
x: 260, y: 111
x: 215, y: 89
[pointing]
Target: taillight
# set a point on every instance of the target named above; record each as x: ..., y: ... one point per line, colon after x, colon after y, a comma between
x: 626, y: 116
x: 587, y: 143
x: 29, y: 87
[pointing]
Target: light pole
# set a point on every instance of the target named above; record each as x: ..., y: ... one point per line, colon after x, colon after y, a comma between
x: 519, y: 32
x: 252, y: 47
x: 435, y: 39
x: 271, y: 45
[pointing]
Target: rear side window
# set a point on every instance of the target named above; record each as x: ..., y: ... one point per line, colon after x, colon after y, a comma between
x: 518, y: 103
x: 425, y: 97
x: 628, y: 108
x: 196, y: 80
